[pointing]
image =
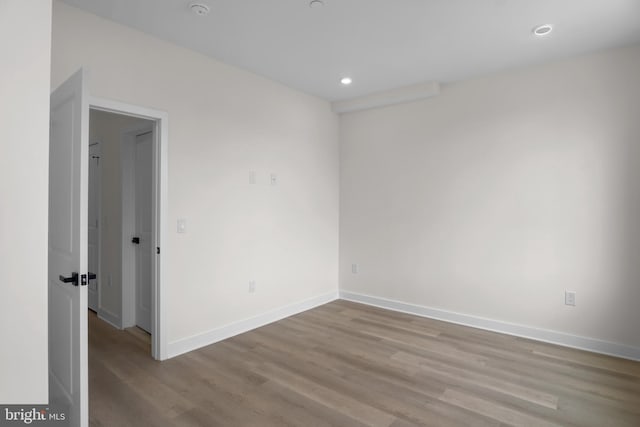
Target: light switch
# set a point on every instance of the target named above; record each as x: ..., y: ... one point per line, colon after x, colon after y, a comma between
x: 570, y: 298
x: 182, y: 225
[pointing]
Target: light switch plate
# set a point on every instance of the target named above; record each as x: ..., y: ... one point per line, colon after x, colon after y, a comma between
x: 570, y: 298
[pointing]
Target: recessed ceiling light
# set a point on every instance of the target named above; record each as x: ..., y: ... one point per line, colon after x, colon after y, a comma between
x: 316, y: 3
x: 199, y: 9
x: 346, y: 81
x: 542, y: 30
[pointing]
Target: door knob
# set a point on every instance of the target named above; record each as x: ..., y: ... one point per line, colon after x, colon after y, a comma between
x: 135, y: 240
x: 91, y: 275
x: 73, y: 279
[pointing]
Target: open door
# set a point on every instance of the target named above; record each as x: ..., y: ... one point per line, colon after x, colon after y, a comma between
x: 143, y: 171
x: 68, y: 202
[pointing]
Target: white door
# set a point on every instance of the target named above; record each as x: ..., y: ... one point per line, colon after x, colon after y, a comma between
x: 94, y: 225
x: 143, y: 153
x: 68, y: 170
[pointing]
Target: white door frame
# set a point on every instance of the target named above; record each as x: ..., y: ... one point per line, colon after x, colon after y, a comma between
x: 161, y: 208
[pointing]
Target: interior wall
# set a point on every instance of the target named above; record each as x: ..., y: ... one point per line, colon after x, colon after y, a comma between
x: 25, y: 43
x: 223, y: 124
x: 495, y: 197
x: 107, y: 128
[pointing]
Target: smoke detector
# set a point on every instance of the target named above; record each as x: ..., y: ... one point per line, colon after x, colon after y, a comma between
x: 542, y: 30
x: 316, y: 4
x: 199, y: 9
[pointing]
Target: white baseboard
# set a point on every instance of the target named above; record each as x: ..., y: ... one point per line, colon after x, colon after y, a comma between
x: 201, y: 340
x: 553, y: 337
x: 566, y: 340
x: 109, y: 317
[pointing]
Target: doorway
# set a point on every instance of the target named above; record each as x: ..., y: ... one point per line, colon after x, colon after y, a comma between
x: 69, y: 148
x: 125, y: 216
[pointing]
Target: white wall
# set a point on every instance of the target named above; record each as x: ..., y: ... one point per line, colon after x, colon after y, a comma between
x: 493, y: 198
x: 223, y: 123
x: 107, y: 128
x: 25, y: 39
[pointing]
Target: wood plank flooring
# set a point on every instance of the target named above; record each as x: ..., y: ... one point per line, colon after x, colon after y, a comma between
x: 346, y: 364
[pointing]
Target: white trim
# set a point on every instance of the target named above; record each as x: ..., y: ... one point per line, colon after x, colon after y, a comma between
x: 387, y: 98
x: 161, y: 179
x: 111, y: 318
x: 544, y: 335
x: 210, y: 337
x: 118, y: 107
x: 105, y: 313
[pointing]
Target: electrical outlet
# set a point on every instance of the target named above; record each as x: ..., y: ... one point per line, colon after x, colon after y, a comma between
x: 354, y: 268
x: 252, y: 286
x: 570, y: 298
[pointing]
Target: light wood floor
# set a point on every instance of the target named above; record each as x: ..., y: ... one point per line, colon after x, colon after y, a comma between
x: 345, y: 364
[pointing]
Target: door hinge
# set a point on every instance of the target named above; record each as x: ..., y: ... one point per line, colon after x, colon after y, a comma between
x: 158, y: 250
